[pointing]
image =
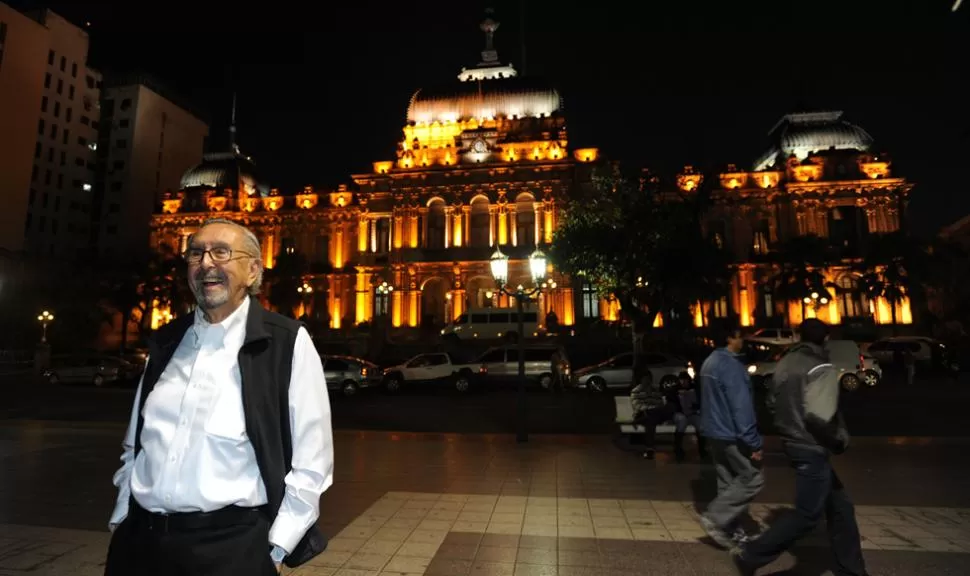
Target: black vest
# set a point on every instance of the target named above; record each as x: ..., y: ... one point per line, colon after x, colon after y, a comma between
x: 265, y: 364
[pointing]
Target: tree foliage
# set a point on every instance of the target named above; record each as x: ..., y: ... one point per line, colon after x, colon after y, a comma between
x: 646, y: 251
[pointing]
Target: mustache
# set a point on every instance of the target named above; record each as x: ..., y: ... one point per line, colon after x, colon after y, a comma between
x: 209, y: 276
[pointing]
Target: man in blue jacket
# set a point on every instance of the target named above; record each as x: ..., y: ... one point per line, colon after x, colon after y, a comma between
x: 729, y: 423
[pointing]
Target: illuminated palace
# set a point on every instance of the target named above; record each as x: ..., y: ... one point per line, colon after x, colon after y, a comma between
x: 819, y: 178
x: 483, y: 163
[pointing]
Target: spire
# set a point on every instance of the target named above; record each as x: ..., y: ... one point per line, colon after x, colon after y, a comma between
x: 489, y: 26
x: 232, y: 127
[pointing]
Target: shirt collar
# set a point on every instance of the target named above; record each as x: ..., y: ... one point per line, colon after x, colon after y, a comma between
x: 235, y: 323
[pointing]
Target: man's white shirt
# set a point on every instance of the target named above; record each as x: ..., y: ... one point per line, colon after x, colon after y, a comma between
x: 196, y: 456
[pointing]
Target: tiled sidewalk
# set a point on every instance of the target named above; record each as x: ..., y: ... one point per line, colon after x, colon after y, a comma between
x: 414, y: 533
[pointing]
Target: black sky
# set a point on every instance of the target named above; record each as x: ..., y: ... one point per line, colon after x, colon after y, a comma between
x: 323, y: 87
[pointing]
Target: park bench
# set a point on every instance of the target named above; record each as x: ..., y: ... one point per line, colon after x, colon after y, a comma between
x: 624, y: 419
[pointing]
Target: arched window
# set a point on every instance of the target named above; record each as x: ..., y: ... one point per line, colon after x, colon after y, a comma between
x: 851, y: 303
x: 525, y: 220
x: 480, y: 224
x: 436, y: 224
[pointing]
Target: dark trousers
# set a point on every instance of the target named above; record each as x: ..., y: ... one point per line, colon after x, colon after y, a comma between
x: 144, y: 546
x: 650, y: 419
x: 818, y: 491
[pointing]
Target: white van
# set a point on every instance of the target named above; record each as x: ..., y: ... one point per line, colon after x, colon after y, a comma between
x: 491, y: 323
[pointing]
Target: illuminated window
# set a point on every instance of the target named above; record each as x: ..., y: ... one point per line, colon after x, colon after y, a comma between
x: 721, y: 308
x: 591, y: 301
x: 851, y: 303
x: 382, y: 302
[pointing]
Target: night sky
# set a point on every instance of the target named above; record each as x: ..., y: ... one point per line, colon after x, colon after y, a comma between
x: 323, y: 88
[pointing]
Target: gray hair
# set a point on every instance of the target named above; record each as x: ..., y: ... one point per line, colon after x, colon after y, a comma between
x: 251, y: 243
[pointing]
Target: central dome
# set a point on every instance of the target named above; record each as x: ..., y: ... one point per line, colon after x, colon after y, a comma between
x: 222, y: 170
x: 805, y: 133
x: 492, y: 98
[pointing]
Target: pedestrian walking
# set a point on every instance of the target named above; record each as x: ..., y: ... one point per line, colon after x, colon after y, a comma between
x: 229, y: 446
x: 729, y: 422
x: 806, y: 390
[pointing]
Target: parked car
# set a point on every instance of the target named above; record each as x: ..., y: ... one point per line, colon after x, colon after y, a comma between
x: 93, y: 369
x: 617, y: 372
x: 776, y: 336
x: 927, y: 352
x: 431, y: 368
x: 543, y: 364
x: 349, y: 375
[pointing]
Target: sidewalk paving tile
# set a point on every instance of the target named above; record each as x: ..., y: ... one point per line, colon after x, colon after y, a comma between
x: 423, y: 533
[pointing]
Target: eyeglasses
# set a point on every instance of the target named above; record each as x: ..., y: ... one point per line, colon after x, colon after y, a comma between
x: 219, y: 254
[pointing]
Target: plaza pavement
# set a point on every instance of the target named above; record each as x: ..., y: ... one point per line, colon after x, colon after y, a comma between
x: 457, y: 505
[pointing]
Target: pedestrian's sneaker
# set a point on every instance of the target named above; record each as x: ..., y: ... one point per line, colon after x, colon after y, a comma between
x: 739, y: 536
x: 716, y: 534
x: 741, y: 566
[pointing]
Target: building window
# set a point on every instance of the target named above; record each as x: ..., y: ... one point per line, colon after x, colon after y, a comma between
x: 60, y: 86
x: 43, y: 104
x: 382, y: 235
x: 57, y: 109
x: 40, y: 126
x: 717, y: 232
x: 38, y: 150
x: 721, y: 307
x: 70, y: 92
x: 50, y: 58
x: 382, y: 301
x: 73, y: 69
x: 436, y: 225
x: 850, y: 297
x: 591, y: 301
x: 63, y: 63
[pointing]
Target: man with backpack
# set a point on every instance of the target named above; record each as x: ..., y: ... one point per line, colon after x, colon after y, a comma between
x: 805, y: 388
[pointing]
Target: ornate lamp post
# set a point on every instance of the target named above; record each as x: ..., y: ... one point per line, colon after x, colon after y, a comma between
x: 44, y: 318
x: 500, y: 272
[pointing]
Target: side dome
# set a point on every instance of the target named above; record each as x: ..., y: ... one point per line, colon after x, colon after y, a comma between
x: 222, y: 170
x: 805, y: 133
x: 491, y: 98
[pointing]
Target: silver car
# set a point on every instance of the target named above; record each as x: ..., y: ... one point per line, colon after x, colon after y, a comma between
x: 348, y: 374
x: 617, y: 372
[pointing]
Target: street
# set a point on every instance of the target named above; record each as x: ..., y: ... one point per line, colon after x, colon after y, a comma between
x: 929, y: 408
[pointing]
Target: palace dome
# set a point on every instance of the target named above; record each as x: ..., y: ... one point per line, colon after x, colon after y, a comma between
x: 222, y: 170
x: 486, y: 98
x: 805, y: 133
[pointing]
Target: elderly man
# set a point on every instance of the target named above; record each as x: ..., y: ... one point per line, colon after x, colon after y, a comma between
x: 229, y: 446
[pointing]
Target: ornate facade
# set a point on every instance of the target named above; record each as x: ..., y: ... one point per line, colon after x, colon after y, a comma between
x: 483, y: 163
x: 817, y: 178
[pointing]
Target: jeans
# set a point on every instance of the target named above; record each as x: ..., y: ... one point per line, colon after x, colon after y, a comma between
x: 739, y: 480
x: 681, y: 421
x: 818, y: 491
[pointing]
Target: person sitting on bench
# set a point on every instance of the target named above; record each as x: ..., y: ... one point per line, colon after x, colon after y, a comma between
x: 687, y: 411
x: 650, y: 407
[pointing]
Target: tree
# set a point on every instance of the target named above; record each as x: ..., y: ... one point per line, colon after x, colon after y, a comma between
x: 135, y: 287
x: 284, y: 279
x: 798, y: 266
x: 646, y: 251
x: 893, y: 268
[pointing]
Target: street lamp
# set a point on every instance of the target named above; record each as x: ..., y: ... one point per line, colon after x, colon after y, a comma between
x: 306, y: 289
x: 500, y: 272
x: 816, y: 299
x: 44, y: 318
